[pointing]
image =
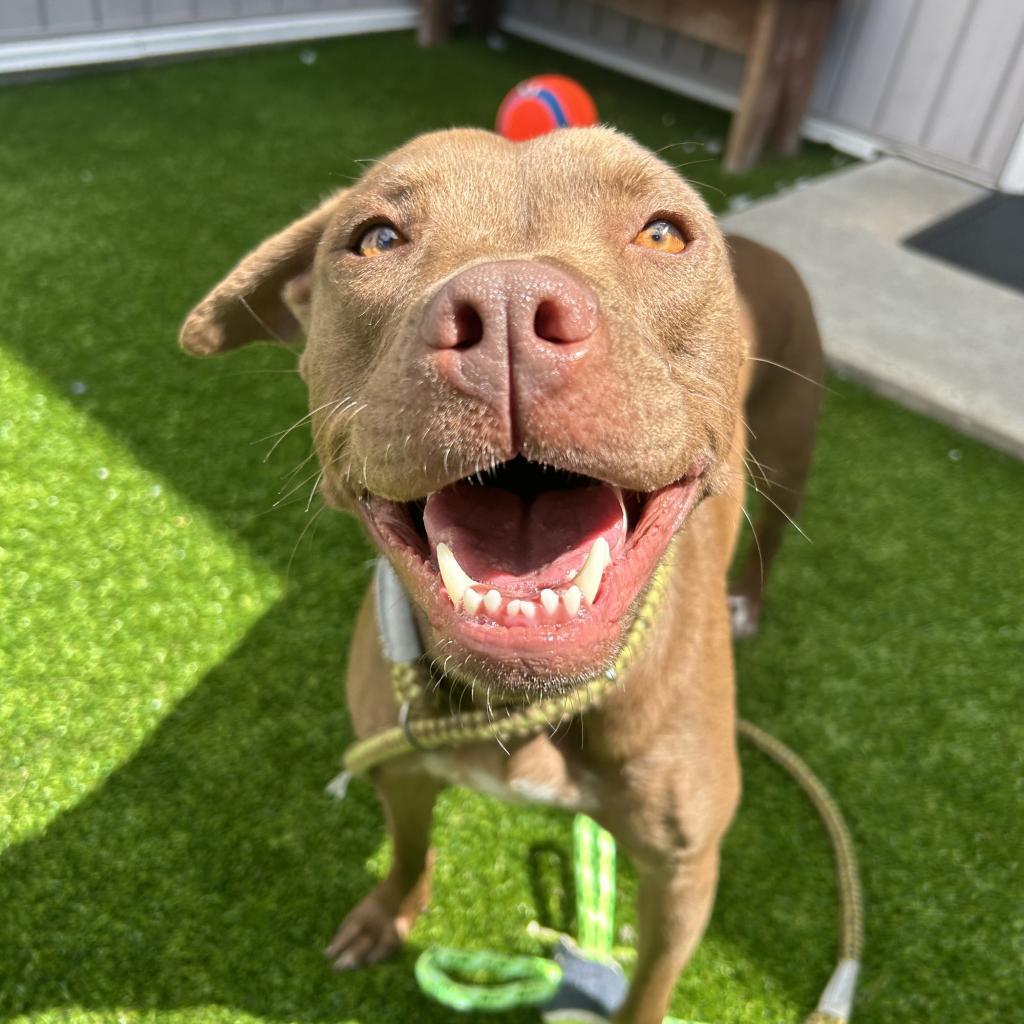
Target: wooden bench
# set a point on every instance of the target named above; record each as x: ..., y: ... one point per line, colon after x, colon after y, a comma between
x: 781, y: 40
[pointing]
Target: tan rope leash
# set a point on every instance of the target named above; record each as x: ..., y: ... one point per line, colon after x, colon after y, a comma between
x: 420, y: 729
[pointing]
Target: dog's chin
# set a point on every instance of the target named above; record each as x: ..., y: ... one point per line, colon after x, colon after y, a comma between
x: 527, y: 577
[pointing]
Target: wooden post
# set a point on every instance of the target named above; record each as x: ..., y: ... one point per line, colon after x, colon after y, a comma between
x: 435, y: 22
x: 484, y: 16
x: 810, y: 30
x: 762, y: 86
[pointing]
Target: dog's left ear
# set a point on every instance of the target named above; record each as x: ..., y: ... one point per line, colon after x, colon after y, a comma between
x: 266, y: 297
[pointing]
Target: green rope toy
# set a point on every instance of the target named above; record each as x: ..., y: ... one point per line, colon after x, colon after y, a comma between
x: 584, y: 982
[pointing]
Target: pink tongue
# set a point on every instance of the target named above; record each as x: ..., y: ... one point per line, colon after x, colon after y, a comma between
x: 520, y: 545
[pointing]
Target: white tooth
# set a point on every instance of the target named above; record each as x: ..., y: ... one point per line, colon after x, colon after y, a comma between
x: 571, y: 600
x: 622, y: 505
x: 528, y: 610
x: 471, y: 600
x: 492, y: 602
x: 513, y: 607
x: 588, y: 579
x: 549, y: 601
x: 455, y: 579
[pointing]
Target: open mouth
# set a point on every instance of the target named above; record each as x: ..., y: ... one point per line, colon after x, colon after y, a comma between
x: 532, y: 564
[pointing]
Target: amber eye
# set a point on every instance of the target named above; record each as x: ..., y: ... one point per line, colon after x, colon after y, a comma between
x: 662, y: 236
x: 379, y: 239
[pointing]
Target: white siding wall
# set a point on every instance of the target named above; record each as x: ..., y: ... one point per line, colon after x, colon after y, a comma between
x: 940, y: 81
x: 35, y: 19
x: 41, y: 34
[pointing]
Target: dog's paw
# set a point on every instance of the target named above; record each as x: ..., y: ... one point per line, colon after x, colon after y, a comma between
x: 745, y: 616
x: 375, y: 929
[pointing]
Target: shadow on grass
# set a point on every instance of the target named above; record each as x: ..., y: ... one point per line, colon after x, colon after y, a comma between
x: 211, y: 867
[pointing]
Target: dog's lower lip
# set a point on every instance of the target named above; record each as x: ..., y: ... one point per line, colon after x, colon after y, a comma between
x: 575, y: 639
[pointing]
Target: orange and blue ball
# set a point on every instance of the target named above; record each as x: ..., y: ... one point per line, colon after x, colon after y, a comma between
x: 543, y: 103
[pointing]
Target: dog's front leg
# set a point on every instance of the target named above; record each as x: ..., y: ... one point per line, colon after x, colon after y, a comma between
x: 379, y: 924
x: 674, y: 902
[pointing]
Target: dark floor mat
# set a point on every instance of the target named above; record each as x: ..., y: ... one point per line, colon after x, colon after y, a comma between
x: 987, y: 238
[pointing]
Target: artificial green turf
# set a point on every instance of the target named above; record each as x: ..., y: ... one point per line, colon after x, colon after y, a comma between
x: 171, y: 646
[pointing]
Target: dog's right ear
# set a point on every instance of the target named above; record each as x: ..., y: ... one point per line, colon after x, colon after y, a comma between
x: 266, y: 297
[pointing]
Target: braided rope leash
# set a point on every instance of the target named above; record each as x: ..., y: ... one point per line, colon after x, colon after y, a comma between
x: 482, y: 981
x: 422, y: 728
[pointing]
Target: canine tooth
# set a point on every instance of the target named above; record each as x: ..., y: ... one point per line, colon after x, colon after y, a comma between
x: 513, y: 607
x: 471, y: 600
x: 455, y: 579
x: 622, y: 505
x: 588, y: 579
x: 492, y: 602
x: 571, y: 599
x: 528, y: 610
x: 549, y: 601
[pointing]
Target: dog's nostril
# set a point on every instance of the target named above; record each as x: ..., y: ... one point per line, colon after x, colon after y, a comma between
x: 550, y: 323
x: 469, y: 327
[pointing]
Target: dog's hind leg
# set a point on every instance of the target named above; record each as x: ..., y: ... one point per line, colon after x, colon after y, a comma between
x: 379, y: 924
x: 781, y: 411
x: 778, y: 463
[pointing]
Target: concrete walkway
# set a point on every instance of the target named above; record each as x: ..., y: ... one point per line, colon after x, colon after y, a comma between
x: 937, y: 339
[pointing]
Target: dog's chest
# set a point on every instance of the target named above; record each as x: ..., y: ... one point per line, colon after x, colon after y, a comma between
x: 535, y: 773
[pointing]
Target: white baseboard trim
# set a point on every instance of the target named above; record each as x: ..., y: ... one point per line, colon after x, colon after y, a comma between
x: 846, y: 140
x: 1012, y: 179
x: 818, y: 129
x: 136, y: 44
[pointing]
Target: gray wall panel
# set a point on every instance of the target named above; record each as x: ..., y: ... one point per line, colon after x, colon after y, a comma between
x: 215, y: 10
x: 20, y: 18
x: 845, y: 26
x: 927, y: 51
x: 722, y: 68
x: 66, y: 16
x: 612, y: 29
x: 172, y: 12
x: 258, y: 8
x: 121, y: 14
x: 576, y: 16
x: 965, y: 104
x: 870, y: 61
x: 1006, y: 118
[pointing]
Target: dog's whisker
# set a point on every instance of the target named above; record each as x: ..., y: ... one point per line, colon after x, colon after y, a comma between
x: 250, y: 373
x: 723, y: 405
x: 291, y: 475
x: 796, y: 373
x: 757, y: 543
x: 312, y: 491
x: 306, y: 480
x: 281, y: 435
x: 263, y: 323
x: 305, y: 529
x: 792, y: 522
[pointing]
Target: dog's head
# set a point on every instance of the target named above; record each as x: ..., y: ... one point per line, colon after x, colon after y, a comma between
x: 523, y: 362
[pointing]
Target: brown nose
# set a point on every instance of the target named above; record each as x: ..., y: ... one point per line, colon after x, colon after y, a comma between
x: 511, y: 327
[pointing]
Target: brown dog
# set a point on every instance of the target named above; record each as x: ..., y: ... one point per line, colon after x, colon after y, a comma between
x: 527, y: 363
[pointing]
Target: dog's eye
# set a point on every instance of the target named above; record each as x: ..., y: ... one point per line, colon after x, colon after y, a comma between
x: 662, y: 236
x: 379, y: 239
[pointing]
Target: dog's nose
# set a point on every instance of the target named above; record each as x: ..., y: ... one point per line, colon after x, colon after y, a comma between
x: 510, y: 325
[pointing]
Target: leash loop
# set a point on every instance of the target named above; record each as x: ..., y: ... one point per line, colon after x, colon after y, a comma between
x: 491, y: 982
